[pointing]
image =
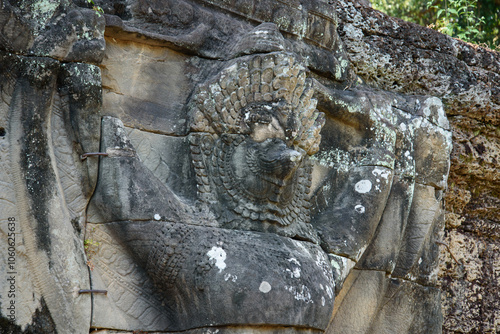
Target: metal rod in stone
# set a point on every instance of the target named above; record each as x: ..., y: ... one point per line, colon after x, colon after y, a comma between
x: 92, y: 154
x: 449, y: 250
x: 104, y: 292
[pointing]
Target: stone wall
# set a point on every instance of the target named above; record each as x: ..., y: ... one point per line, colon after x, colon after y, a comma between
x: 58, y: 79
x: 50, y: 86
x: 394, y: 55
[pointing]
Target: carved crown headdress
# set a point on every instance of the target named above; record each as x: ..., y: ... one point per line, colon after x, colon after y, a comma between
x: 250, y: 86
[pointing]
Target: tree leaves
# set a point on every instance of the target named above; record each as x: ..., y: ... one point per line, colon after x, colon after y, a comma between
x: 475, y: 21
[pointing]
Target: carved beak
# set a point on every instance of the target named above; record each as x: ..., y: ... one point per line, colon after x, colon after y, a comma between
x: 278, y: 160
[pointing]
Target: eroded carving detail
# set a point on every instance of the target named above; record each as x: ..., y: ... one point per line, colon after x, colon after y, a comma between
x: 255, y: 124
x: 254, y: 131
x: 254, y: 127
x: 181, y: 247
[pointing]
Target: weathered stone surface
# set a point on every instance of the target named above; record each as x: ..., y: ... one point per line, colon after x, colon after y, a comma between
x: 130, y: 301
x: 230, y: 329
x: 210, y: 34
x: 394, y: 55
x: 254, y: 171
x: 381, y: 304
x: 245, y: 268
x: 470, y: 285
x: 46, y: 189
x: 358, y: 159
x: 307, y: 282
x: 420, y: 236
x: 351, y: 210
x: 123, y: 277
x: 48, y: 111
x: 127, y: 190
x: 398, y: 56
x: 432, y: 152
x: 55, y: 29
x: 158, y: 103
x: 160, y: 155
x: 382, y: 253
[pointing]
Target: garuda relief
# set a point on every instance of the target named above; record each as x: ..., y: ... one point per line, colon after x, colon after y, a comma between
x: 295, y: 186
x: 254, y: 128
x: 250, y: 184
x: 245, y: 240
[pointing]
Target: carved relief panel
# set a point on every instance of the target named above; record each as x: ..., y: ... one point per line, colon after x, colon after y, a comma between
x: 245, y: 181
x: 298, y: 186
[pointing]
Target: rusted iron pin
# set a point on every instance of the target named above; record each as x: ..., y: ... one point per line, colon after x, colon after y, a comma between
x: 92, y: 154
x: 449, y: 250
x: 104, y: 292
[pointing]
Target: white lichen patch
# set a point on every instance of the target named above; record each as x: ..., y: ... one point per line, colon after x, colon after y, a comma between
x: 341, y: 265
x: 301, y: 293
x: 352, y: 32
x: 442, y: 120
x: 228, y: 277
x: 41, y: 11
x: 363, y: 186
x: 359, y: 208
x: 337, y: 158
x: 433, y: 109
x: 323, y: 263
x: 340, y: 69
x: 383, y: 173
x: 217, y: 256
x: 264, y: 287
x: 209, y: 331
x: 294, y: 272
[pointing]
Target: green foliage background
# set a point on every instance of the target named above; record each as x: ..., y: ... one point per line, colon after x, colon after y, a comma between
x: 475, y: 21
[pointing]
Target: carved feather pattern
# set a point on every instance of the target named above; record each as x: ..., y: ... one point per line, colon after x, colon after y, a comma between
x: 217, y: 180
x: 252, y: 91
x: 260, y: 79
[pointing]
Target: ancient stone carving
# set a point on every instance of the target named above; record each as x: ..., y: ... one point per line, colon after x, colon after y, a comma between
x: 263, y: 162
x: 251, y: 182
x: 254, y: 127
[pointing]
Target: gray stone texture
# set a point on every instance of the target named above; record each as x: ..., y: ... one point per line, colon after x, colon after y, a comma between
x: 272, y: 167
x: 51, y: 95
x: 397, y: 56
